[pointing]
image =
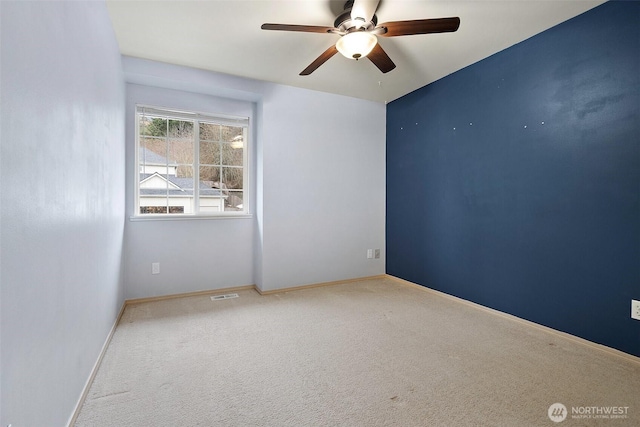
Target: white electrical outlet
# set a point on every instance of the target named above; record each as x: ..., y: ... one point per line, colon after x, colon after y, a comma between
x: 155, y: 268
x: 635, y: 309
x: 376, y: 254
x: 369, y: 253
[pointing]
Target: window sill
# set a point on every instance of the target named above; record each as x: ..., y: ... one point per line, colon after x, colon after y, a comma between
x: 165, y: 217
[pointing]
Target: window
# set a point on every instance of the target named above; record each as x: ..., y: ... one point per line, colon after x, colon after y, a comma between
x: 190, y: 163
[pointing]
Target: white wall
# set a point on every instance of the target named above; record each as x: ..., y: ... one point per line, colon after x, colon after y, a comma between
x: 62, y: 203
x: 319, y: 189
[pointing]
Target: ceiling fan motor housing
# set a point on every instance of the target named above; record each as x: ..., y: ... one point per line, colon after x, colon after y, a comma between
x: 346, y: 24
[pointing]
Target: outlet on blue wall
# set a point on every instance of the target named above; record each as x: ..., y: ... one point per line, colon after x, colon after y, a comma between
x: 515, y: 182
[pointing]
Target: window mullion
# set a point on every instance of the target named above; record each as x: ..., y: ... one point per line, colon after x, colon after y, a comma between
x: 136, y: 208
x: 220, y: 176
x: 196, y: 167
x: 166, y: 171
x: 245, y: 168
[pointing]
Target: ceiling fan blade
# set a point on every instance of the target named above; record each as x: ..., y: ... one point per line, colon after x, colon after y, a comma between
x: 364, y: 9
x: 420, y: 26
x: 380, y: 59
x: 301, y: 28
x: 324, y: 57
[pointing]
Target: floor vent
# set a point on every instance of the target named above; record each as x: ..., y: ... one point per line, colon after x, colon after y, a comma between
x: 225, y: 296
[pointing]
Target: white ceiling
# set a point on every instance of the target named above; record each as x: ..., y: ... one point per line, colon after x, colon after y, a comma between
x: 225, y: 36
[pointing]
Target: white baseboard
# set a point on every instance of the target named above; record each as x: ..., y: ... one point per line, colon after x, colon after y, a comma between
x: 189, y: 294
x: 318, y: 285
x: 94, y: 370
x: 564, y: 335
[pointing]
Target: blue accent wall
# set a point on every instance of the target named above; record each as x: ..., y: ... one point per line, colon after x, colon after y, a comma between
x: 515, y: 182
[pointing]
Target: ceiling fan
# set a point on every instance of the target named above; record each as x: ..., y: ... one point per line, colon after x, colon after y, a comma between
x: 358, y: 28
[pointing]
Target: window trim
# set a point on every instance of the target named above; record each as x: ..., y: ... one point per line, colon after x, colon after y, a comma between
x: 214, y: 118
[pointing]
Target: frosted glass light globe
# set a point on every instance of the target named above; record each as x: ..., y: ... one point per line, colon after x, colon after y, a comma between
x: 357, y: 44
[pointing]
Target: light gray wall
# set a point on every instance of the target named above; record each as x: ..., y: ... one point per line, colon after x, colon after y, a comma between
x: 318, y: 187
x: 62, y: 203
x: 324, y: 187
x: 194, y: 255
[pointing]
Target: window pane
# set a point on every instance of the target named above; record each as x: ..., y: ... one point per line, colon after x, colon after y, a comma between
x: 180, y: 190
x: 234, y: 202
x: 153, y: 201
x: 153, y: 192
x: 180, y: 129
x: 153, y: 209
x: 209, y: 153
x: 152, y: 151
x: 210, y: 173
x: 212, y: 197
x: 181, y: 150
x: 232, y: 178
x: 184, y: 171
x: 161, y: 209
x: 232, y: 154
x: 212, y: 203
x: 143, y: 124
x: 153, y: 126
x: 210, y: 131
x: 230, y: 132
x: 153, y: 174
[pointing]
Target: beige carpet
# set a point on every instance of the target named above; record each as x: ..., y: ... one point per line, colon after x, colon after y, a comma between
x: 370, y: 353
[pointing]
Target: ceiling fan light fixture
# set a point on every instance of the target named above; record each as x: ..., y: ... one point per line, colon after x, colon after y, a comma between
x: 357, y: 44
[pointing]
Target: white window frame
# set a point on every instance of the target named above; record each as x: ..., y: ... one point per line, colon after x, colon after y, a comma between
x: 197, y: 118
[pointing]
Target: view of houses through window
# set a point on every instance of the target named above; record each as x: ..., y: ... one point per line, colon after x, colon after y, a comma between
x: 190, y: 164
